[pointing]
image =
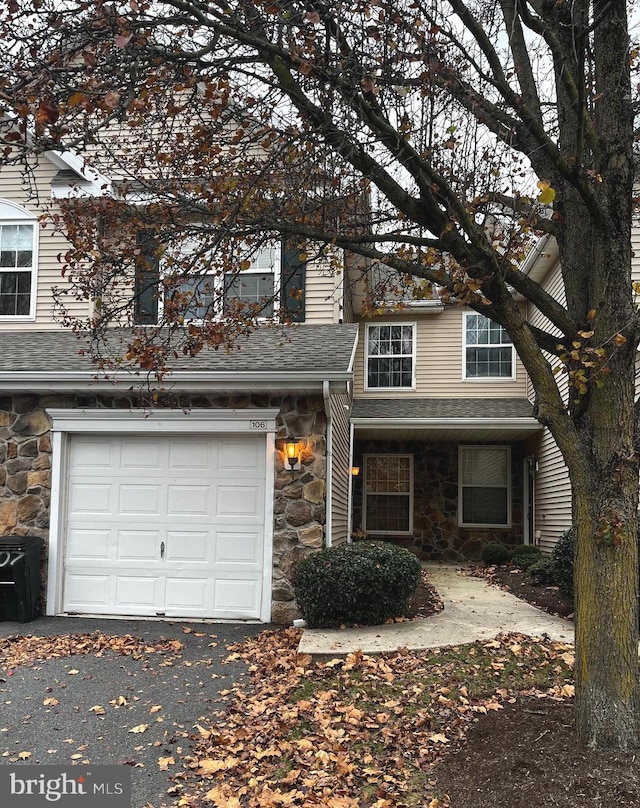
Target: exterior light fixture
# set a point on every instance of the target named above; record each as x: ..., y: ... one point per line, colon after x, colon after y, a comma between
x: 355, y: 471
x: 292, y: 452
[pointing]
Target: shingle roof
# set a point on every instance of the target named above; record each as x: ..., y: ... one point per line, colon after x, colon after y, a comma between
x: 441, y: 408
x: 320, y: 348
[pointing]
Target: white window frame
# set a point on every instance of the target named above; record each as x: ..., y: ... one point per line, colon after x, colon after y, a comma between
x: 373, y: 532
x: 219, y: 279
x: 479, y: 448
x: 465, y: 345
x: 368, y: 356
x: 12, y: 214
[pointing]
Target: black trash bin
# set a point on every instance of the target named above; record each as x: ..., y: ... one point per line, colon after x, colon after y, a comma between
x: 19, y: 577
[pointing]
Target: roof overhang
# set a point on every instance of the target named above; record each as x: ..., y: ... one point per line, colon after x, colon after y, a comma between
x: 446, y: 429
x: 219, y: 383
x: 91, y: 182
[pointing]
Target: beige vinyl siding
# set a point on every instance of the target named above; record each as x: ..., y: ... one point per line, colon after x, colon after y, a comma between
x: 552, y: 493
x: 36, y: 198
x: 341, y: 470
x: 553, y: 488
x: 439, y: 353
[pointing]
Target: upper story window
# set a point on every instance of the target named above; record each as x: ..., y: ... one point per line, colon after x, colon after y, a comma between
x: 253, y: 290
x: 18, y: 260
x: 390, y: 288
x: 273, y: 280
x: 488, y: 352
x: 390, y: 352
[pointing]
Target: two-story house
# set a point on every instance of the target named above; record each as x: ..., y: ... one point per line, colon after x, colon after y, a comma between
x: 414, y: 426
x: 190, y: 508
x: 443, y: 432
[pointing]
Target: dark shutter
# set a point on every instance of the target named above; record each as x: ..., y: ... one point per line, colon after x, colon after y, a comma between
x: 293, y: 277
x: 147, y: 281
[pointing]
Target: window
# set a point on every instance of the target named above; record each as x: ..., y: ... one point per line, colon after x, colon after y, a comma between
x: 196, y: 295
x: 388, y: 494
x: 389, y: 286
x: 488, y: 349
x: 485, y: 488
x: 390, y: 356
x: 17, y: 261
x: 252, y: 289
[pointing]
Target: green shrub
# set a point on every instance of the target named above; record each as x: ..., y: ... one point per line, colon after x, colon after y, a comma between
x: 364, y: 583
x: 496, y: 553
x: 526, y: 555
x: 542, y: 572
x: 562, y: 559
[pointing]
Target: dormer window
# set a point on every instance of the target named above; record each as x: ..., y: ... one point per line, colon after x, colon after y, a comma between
x: 18, y: 251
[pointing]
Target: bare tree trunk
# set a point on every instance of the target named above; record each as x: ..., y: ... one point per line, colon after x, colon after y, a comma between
x: 606, y: 585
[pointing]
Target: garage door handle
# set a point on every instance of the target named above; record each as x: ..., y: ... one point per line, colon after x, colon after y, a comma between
x: 161, y: 549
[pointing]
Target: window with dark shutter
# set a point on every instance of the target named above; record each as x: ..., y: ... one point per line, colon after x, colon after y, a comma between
x: 293, y: 279
x: 147, y: 280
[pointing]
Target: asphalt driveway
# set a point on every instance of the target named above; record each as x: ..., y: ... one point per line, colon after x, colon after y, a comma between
x: 51, y: 710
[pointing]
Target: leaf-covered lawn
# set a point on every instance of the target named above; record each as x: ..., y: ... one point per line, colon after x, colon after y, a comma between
x: 363, y: 731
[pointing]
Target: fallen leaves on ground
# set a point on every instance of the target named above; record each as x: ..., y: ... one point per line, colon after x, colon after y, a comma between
x: 28, y: 650
x: 359, y: 731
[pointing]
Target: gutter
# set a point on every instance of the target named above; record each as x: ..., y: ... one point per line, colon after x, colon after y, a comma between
x: 326, y: 394
x: 505, y: 424
x: 69, y: 381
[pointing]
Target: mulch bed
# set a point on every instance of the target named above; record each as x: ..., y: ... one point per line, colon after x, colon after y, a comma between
x: 527, y: 755
x: 516, y: 581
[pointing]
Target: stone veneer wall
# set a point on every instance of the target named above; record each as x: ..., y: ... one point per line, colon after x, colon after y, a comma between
x: 436, y: 533
x: 299, y: 504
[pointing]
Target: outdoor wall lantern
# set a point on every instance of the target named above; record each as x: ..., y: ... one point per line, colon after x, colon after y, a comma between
x: 355, y: 470
x: 292, y: 452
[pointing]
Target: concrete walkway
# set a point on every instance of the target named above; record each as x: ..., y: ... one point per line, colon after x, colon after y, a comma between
x: 473, y: 610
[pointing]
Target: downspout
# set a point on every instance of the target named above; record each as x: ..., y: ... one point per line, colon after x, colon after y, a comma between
x: 350, y: 498
x: 329, y: 464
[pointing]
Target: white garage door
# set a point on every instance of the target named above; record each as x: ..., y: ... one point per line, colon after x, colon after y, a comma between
x: 165, y: 525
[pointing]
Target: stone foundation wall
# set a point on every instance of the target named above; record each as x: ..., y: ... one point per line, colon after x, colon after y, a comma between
x: 436, y: 533
x: 299, y: 503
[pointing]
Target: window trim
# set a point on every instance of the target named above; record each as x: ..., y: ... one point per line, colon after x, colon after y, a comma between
x: 12, y: 214
x: 480, y: 379
x: 368, y: 356
x: 219, y: 285
x: 371, y: 531
x: 509, y: 486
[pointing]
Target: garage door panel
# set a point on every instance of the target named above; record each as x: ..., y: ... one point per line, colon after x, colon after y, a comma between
x: 237, y: 548
x: 187, y: 546
x: 88, y: 544
x: 235, y: 454
x: 189, y: 499
x: 140, y: 455
x: 138, y: 545
x: 139, y: 591
x: 239, y: 501
x: 188, y: 595
x: 139, y: 499
x: 93, y: 454
x: 236, y: 597
x: 87, y: 592
x: 190, y: 456
x: 203, y: 497
x: 94, y: 498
